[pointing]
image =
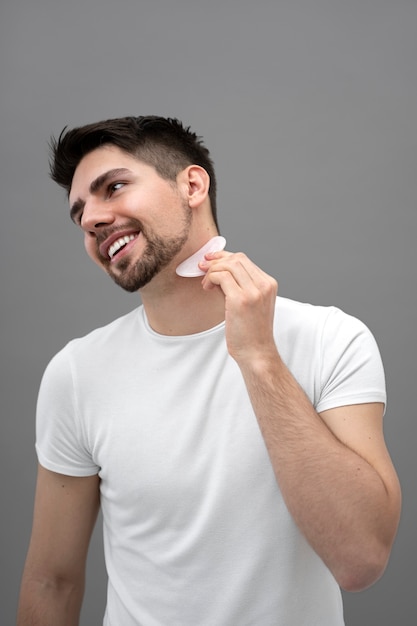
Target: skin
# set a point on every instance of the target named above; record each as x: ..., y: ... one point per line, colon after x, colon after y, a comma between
x: 333, y: 469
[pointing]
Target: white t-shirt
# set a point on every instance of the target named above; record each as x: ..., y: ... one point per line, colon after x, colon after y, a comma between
x: 196, y: 532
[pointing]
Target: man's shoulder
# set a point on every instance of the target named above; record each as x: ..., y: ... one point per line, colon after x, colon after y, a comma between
x: 298, y: 319
x: 297, y: 312
x: 105, y: 337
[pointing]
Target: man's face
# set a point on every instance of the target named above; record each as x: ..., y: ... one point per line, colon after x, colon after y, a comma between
x: 134, y: 221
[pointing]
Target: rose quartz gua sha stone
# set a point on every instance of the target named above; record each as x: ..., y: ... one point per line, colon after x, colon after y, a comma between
x: 189, y: 268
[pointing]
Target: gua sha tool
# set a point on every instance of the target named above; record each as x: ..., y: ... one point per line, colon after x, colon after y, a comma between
x: 189, y: 268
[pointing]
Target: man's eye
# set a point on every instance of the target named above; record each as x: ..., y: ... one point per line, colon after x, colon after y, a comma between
x: 77, y: 218
x: 115, y: 187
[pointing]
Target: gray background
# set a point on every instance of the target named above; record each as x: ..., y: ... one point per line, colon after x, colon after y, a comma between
x: 309, y: 109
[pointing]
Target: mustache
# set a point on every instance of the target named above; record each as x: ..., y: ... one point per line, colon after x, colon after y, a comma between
x: 132, y: 224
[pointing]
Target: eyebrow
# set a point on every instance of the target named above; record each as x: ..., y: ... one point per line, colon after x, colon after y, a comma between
x: 95, y: 186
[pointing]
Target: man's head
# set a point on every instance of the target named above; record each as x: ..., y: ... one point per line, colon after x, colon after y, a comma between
x: 163, y: 143
x: 138, y: 188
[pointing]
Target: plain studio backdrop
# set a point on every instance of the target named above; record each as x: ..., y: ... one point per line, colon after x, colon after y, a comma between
x: 309, y: 110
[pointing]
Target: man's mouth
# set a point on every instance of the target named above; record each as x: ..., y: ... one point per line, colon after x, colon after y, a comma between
x: 119, y: 244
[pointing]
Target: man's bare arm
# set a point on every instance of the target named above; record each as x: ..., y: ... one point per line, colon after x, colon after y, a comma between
x: 65, y: 513
x: 333, y: 469
x: 335, y: 475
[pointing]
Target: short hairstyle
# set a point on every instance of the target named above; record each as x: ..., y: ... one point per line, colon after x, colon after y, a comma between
x: 164, y: 143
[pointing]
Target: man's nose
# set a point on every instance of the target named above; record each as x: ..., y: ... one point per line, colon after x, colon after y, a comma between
x: 95, y: 216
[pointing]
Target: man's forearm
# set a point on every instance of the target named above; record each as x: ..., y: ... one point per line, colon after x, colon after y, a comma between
x: 336, y: 497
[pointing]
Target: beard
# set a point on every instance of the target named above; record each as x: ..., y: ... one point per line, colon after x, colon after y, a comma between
x: 158, y: 253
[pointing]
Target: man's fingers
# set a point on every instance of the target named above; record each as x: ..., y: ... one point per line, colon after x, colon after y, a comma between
x: 246, y: 275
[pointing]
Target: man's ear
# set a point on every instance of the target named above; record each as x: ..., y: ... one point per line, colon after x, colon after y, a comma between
x: 197, y: 183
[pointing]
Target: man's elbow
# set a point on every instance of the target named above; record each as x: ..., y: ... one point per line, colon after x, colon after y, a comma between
x: 364, y: 571
x: 56, y: 598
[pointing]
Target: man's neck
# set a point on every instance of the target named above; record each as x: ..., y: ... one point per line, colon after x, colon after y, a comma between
x: 182, y: 307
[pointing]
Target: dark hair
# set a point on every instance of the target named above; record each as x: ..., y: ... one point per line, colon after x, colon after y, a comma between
x: 161, y: 142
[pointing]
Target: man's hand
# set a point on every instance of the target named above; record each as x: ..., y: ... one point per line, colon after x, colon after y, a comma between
x: 250, y: 296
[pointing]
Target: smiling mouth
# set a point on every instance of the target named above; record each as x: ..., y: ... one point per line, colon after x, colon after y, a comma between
x: 119, y: 244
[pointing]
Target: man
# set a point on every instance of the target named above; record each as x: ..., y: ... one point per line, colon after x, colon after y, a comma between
x: 233, y: 437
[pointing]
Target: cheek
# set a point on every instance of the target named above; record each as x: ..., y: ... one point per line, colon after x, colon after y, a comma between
x: 90, y: 246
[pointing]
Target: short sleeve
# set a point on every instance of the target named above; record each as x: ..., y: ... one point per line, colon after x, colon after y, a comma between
x: 351, y: 368
x: 60, y: 443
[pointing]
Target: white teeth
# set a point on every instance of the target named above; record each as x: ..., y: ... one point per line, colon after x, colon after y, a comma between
x: 119, y: 243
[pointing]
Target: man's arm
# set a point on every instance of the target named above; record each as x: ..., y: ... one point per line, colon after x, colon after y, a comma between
x: 333, y: 469
x: 65, y: 513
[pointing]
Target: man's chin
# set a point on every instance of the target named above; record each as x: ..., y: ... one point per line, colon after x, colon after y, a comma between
x: 133, y: 281
x: 131, y: 286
